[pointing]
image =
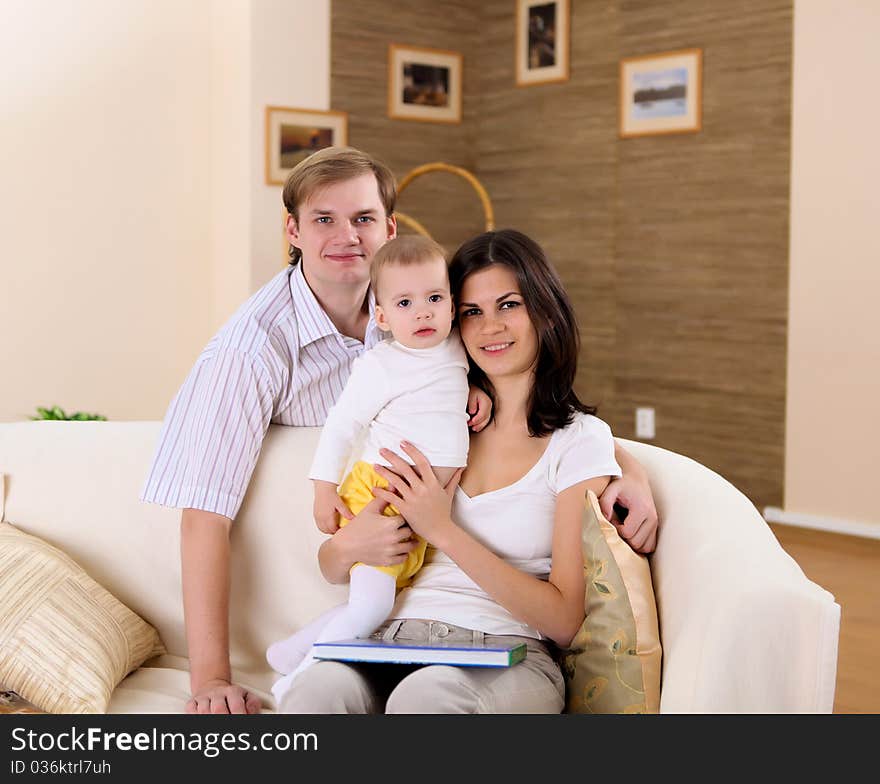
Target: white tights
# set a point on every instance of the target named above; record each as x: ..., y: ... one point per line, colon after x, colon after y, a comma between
x: 370, y: 600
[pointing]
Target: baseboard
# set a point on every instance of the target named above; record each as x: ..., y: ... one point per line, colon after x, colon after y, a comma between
x: 773, y: 514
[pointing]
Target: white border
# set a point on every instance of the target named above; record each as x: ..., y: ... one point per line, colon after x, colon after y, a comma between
x: 836, y: 525
x: 689, y: 121
x: 398, y: 110
x: 277, y: 116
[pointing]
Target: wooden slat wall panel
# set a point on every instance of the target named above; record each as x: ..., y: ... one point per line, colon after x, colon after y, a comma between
x: 674, y: 249
x: 547, y: 154
x: 360, y: 34
x: 702, y: 245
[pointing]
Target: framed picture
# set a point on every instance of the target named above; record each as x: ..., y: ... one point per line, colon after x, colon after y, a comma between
x: 424, y: 84
x: 542, y: 41
x: 294, y: 134
x: 661, y: 93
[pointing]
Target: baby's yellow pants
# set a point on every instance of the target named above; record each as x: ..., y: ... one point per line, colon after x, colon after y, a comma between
x: 357, y: 491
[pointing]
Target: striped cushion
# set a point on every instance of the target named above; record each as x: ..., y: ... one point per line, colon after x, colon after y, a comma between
x: 65, y: 642
x: 613, y: 664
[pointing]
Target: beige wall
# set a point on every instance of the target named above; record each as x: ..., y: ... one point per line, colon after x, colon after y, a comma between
x: 134, y: 217
x: 833, y: 425
x: 265, y: 53
x: 290, y: 67
x: 231, y: 169
x: 104, y: 235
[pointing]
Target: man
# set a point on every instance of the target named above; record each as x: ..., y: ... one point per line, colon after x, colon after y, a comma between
x: 284, y: 358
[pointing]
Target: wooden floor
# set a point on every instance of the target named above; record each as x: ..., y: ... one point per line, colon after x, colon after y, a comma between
x: 849, y: 568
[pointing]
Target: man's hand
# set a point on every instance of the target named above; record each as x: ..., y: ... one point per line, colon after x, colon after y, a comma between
x: 220, y: 696
x: 479, y: 406
x: 639, y: 527
x: 328, y: 507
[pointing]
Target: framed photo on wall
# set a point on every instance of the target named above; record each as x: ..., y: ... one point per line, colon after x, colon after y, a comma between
x: 424, y: 84
x: 294, y: 134
x: 542, y: 41
x: 661, y: 93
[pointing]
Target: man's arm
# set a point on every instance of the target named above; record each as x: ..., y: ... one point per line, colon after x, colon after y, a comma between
x: 632, y: 491
x: 204, y: 553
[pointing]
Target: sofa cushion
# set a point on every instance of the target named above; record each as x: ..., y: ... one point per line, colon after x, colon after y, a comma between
x: 613, y: 663
x: 65, y: 641
x: 162, y: 686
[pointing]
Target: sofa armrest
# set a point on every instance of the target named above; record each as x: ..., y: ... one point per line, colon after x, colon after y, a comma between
x: 743, y: 630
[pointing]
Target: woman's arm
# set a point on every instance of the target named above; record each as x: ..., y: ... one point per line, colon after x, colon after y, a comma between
x: 632, y: 491
x: 554, y: 607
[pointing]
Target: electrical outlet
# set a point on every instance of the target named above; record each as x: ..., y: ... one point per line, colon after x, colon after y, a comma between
x: 645, y: 423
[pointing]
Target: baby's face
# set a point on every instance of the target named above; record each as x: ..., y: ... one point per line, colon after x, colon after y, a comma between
x: 414, y: 303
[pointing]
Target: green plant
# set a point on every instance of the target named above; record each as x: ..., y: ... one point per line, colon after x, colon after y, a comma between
x: 58, y: 413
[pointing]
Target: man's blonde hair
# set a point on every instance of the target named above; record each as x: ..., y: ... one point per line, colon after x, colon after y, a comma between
x: 329, y: 167
x: 405, y: 251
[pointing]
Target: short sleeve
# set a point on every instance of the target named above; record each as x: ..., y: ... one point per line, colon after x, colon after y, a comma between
x: 212, y: 435
x: 584, y: 450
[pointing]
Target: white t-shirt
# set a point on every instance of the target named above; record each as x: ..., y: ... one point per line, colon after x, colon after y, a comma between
x: 516, y: 523
x: 399, y: 393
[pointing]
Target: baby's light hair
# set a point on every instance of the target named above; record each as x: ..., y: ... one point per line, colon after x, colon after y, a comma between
x: 405, y: 251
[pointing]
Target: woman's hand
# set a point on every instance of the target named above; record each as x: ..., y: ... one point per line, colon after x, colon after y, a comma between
x: 371, y: 537
x: 422, y: 500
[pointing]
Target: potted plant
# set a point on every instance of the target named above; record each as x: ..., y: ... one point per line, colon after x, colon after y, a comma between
x: 57, y: 413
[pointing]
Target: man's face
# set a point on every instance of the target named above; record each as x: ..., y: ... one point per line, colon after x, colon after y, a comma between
x: 414, y: 303
x: 340, y: 227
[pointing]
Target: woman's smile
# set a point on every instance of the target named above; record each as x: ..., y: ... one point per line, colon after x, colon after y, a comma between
x: 497, y: 348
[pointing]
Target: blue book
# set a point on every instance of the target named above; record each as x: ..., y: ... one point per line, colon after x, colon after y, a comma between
x: 460, y: 654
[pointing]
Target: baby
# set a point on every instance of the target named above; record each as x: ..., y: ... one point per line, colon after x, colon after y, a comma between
x: 412, y: 387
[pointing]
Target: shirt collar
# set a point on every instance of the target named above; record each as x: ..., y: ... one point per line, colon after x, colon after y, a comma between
x: 314, y: 323
x: 373, y: 334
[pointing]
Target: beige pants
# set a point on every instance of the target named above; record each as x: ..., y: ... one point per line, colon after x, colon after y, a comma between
x: 535, y: 685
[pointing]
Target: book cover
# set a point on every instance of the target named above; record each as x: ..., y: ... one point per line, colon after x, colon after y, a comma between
x: 408, y: 652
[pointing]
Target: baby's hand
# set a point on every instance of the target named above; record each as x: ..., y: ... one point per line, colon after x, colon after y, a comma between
x: 327, y: 505
x: 480, y: 408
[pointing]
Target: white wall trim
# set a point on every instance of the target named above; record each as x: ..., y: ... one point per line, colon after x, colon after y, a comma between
x: 773, y: 514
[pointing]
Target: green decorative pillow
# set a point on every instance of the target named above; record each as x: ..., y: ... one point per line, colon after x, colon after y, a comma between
x: 65, y: 641
x: 613, y: 664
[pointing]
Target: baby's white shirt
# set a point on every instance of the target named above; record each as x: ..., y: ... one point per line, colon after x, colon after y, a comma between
x: 399, y: 393
x: 515, y: 522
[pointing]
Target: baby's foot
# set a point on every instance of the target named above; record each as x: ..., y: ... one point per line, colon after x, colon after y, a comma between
x: 284, y: 656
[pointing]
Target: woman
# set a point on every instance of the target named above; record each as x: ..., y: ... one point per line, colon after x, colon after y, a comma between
x: 505, y: 560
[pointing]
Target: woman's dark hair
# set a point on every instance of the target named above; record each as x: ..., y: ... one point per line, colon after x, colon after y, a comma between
x: 553, y: 401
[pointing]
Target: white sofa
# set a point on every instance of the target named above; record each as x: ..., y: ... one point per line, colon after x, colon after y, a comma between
x: 742, y: 629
